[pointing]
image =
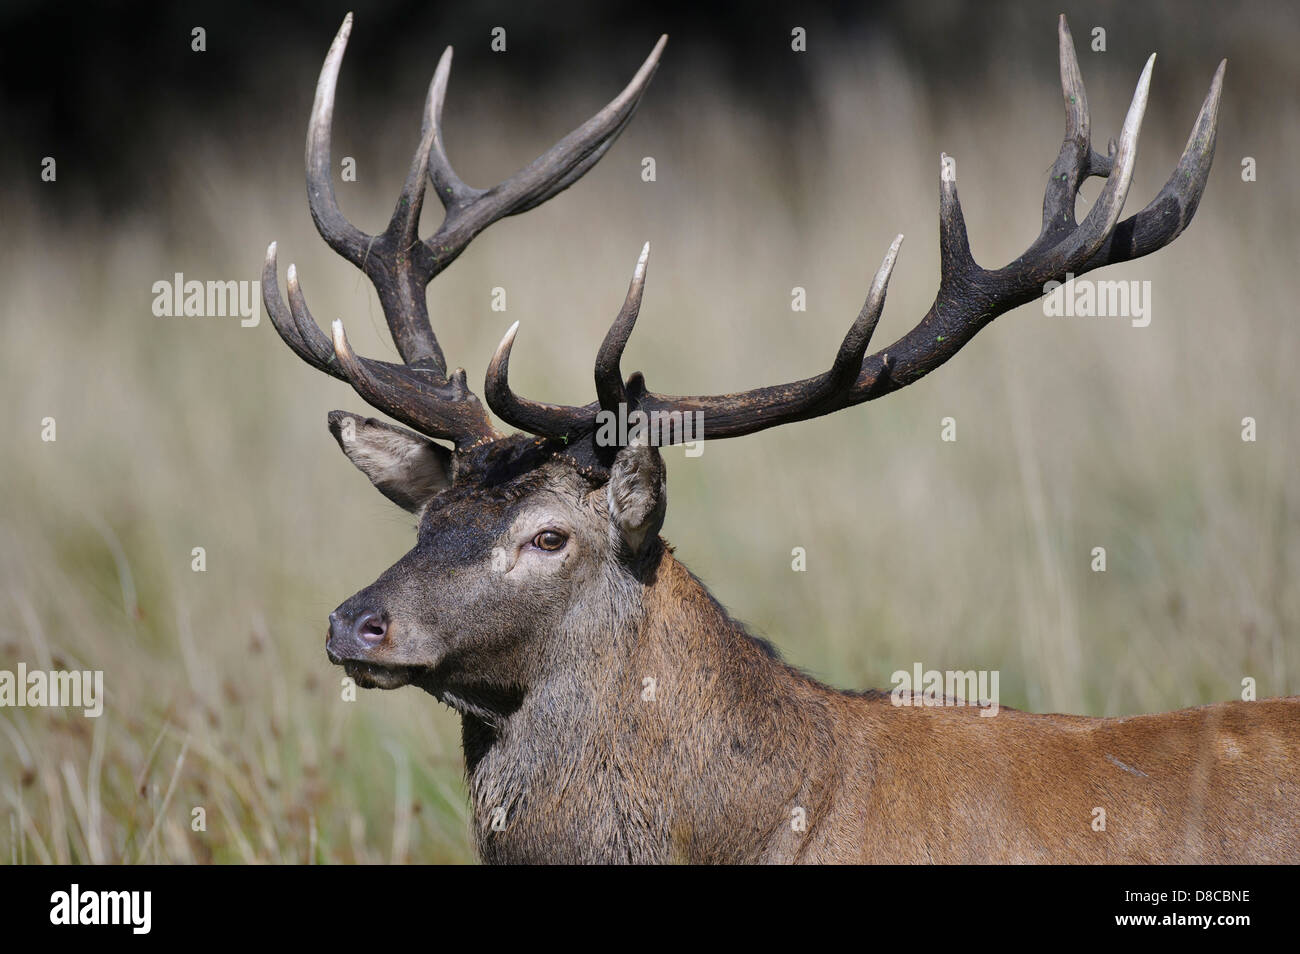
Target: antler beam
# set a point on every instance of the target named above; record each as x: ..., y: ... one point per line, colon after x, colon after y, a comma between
x: 420, y: 392
x: 969, y: 297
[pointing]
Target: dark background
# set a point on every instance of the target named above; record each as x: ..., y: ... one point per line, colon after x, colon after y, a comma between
x: 115, y: 85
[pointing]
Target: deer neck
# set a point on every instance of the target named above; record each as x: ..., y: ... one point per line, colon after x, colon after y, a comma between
x: 664, y: 732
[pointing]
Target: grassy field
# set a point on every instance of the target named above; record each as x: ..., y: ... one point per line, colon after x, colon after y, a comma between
x: 176, y: 433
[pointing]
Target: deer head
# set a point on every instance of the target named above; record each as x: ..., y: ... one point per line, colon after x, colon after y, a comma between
x: 532, y: 548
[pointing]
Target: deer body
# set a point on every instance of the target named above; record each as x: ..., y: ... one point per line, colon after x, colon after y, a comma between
x: 612, y: 711
x: 713, y: 765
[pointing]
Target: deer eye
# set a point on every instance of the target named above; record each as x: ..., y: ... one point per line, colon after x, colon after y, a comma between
x: 550, y: 540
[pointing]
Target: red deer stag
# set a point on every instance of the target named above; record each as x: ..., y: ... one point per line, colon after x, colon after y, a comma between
x: 539, y: 596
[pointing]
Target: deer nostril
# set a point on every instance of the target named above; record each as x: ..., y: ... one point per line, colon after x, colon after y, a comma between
x: 372, y: 627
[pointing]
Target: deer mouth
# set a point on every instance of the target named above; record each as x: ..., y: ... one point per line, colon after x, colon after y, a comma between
x: 369, y: 675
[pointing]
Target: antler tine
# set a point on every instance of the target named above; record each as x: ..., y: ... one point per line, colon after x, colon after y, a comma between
x: 1080, y: 244
x: 449, y: 187
x: 405, y: 267
x: 559, y: 421
x: 341, y: 235
x: 405, y: 222
x: 1171, y: 211
x: 796, y: 401
x: 735, y: 415
x: 544, y: 420
x: 294, y: 324
x: 957, y: 267
x: 308, y: 330
x: 848, y: 363
x: 445, y: 410
x: 470, y: 210
x: 1073, y: 164
x: 420, y: 392
x: 380, y: 257
x: 1055, y: 253
x: 281, y: 320
x: 610, y: 392
x: 969, y: 296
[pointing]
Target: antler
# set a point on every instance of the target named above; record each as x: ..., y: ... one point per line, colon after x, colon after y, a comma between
x: 419, y: 392
x: 969, y: 296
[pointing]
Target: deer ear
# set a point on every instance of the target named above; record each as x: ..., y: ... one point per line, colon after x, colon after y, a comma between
x: 406, y: 468
x: 638, y: 496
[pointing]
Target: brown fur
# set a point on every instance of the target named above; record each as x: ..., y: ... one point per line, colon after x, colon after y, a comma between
x: 735, y: 741
x: 614, y: 712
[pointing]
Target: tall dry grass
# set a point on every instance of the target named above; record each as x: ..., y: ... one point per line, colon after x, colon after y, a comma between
x: 177, y: 433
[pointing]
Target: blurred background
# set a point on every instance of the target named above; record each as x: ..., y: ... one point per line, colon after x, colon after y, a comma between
x: 774, y: 169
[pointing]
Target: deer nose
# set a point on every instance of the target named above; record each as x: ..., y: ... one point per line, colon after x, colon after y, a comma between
x: 369, y: 627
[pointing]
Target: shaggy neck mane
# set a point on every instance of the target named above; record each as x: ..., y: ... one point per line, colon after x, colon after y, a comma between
x: 676, y: 712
